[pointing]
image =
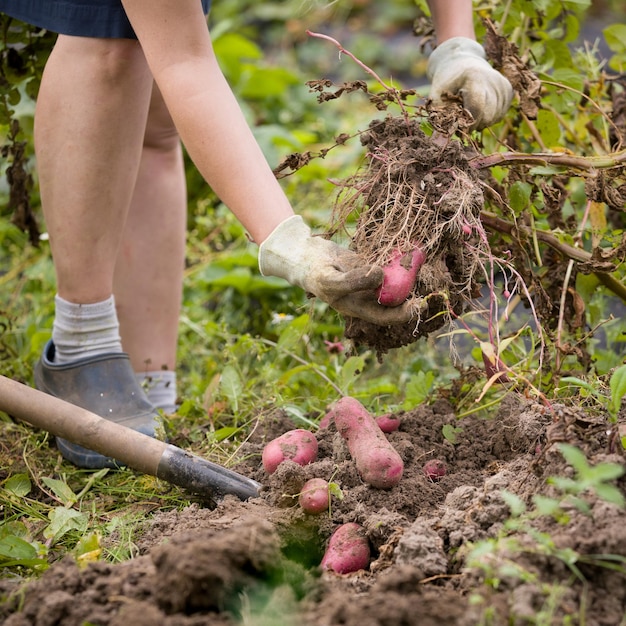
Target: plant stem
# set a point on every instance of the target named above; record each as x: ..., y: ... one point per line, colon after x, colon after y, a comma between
x: 369, y: 70
x: 342, y: 50
x: 564, y: 290
x: 551, y: 158
x: 559, y: 327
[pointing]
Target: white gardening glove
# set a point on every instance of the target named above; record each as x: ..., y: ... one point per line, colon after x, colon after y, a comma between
x: 332, y: 273
x: 459, y: 66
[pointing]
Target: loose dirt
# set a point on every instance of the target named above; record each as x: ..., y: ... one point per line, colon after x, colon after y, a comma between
x: 257, y: 562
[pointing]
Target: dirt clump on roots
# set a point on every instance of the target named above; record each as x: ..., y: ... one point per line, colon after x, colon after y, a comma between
x: 415, y: 191
x: 257, y: 562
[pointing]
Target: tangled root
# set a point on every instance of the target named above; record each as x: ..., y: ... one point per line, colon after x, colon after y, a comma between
x: 415, y: 191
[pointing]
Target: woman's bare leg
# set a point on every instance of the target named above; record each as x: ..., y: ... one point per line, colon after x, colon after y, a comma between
x: 89, y: 127
x: 149, y: 270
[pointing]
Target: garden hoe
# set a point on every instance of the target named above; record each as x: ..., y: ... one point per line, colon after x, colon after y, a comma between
x: 135, y: 450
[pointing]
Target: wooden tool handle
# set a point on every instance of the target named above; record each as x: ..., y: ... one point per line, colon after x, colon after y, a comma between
x: 65, y: 420
x: 135, y: 450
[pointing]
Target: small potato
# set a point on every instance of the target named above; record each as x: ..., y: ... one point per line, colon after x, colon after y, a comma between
x: 399, y: 276
x: 377, y: 462
x: 435, y: 469
x: 315, y: 496
x: 348, y: 550
x: 388, y: 423
x: 299, y: 446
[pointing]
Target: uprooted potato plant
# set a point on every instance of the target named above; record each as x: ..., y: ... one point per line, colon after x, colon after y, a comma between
x: 527, y: 210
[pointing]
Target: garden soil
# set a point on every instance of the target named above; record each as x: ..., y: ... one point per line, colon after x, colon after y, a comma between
x: 257, y: 562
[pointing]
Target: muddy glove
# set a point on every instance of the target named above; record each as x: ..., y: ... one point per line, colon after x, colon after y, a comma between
x: 459, y: 66
x: 329, y: 271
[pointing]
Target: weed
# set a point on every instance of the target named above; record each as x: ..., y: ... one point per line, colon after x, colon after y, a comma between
x: 511, y: 555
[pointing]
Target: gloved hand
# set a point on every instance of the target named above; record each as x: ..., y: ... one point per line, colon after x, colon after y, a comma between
x: 329, y: 271
x: 459, y: 66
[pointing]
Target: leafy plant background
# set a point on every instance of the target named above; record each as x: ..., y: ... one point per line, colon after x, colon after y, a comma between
x: 249, y: 343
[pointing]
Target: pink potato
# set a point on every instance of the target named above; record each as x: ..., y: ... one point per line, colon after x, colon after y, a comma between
x: 435, y: 469
x: 399, y: 276
x: 388, y: 423
x: 315, y: 496
x: 377, y: 462
x: 348, y: 550
x: 299, y: 446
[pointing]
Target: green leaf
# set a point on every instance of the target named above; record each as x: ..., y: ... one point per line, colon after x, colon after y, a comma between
x: 515, y: 503
x: 292, y: 335
x: 519, y: 195
x: 587, y: 285
x: 577, y: 382
x: 239, y: 279
x: 88, y: 548
x: 546, y: 506
x: 544, y: 170
x: 36, y: 564
x: 580, y: 504
x: 297, y: 413
x: 572, y: 28
x: 14, y: 97
x: 60, y: 489
x: 335, y: 491
x: 18, y: 529
x: 417, y: 389
x: 12, y: 547
x: 231, y: 386
x: 606, y: 471
x: 232, y: 45
x: 574, y: 457
x: 558, y: 53
x: 610, y: 493
x: 263, y: 83
x: 224, y: 433
x: 564, y: 484
x: 615, y: 36
x: 231, y: 49
x: 617, y: 385
x: 349, y: 372
x: 548, y: 127
x: 64, y: 520
x: 570, y: 77
x: 18, y: 485
x: 450, y: 433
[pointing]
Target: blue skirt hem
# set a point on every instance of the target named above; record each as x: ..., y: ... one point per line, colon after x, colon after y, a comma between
x: 81, y: 18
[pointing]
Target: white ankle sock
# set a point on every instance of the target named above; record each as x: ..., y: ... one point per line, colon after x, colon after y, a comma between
x: 84, y: 330
x: 160, y: 387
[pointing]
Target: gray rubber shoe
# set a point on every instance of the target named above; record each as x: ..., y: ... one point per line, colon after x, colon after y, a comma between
x: 105, y: 385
